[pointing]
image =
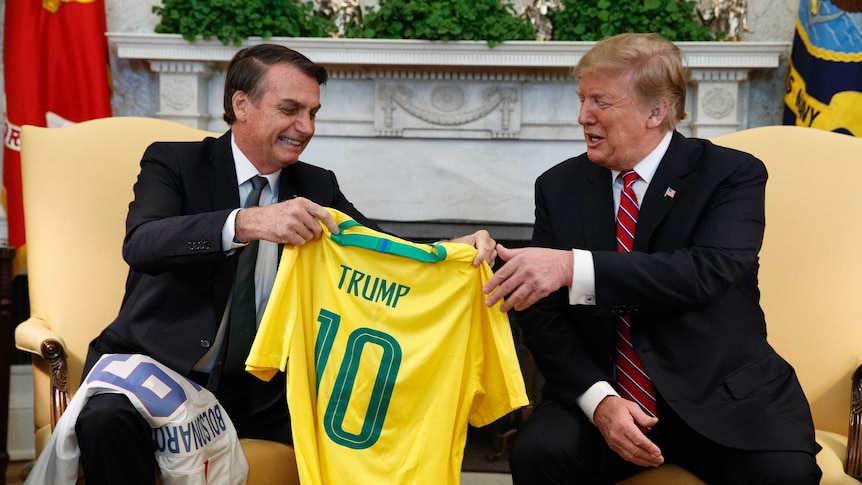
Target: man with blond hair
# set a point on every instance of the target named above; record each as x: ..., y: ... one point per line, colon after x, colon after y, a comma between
x: 639, y: 298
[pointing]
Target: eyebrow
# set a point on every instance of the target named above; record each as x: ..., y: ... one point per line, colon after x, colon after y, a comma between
x: 594, y: 95
x: 290, y: 103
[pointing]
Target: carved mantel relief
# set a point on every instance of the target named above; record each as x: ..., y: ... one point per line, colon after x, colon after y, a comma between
x: 457, y: 131
x: 467, y: 108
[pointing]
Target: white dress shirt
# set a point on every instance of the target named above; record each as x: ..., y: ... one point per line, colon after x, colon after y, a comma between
x: 583, y: 289
x: 267, y: 252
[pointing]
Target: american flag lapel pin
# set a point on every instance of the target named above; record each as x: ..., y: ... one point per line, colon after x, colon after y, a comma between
x: 670, y: 193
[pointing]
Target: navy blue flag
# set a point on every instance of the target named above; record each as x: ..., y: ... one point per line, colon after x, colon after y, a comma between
x: 824, y: 86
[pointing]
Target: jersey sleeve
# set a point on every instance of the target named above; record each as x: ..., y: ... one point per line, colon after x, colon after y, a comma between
x: 271, y: 346
x: 500, y: 386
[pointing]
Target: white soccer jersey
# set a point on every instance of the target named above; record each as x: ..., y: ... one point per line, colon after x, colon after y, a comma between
x: 196, y: 443
x: 389, y: 351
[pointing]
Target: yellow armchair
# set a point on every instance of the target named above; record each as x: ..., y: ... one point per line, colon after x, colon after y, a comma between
x: 811, y: 275
x: 810, y: 282
x: 77, y: 185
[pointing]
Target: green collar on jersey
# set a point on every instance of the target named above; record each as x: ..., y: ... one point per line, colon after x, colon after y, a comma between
x: 384, y: 245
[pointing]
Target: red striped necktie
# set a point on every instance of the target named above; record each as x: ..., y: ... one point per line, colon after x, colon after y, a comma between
x: 633, y: 380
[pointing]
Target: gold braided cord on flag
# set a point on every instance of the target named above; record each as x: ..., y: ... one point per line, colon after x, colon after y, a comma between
x: 841, y: 111
x: 54, y: 5
x: 825, y: 54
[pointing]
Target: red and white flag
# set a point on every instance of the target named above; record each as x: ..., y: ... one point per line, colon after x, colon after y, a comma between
x: 56, y: 72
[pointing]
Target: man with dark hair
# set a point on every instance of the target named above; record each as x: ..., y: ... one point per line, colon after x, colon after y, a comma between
x: 185, y: 233
x: 639, y: 301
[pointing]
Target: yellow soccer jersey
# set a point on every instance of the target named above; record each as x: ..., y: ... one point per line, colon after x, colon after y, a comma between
x: 389, y: 351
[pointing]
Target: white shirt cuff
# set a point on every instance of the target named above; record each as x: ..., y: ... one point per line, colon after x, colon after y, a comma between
x: 583, y: 289
x: 589, y: 401
x: 228, y: 233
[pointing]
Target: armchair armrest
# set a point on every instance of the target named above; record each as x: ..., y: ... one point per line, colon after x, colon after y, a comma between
x: 32, y: 333
x: 853, y: 463
x: 33, y: 336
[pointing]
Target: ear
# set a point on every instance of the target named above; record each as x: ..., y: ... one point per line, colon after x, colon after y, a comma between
x: 658, y: 114
x: 241, y: 104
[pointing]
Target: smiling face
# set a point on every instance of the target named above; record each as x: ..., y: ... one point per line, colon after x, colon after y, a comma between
x: 620, y: 129
x: 274, y: 131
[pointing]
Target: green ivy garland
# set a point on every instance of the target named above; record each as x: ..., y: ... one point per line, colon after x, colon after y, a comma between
x: 492, y: 21
x: 489, y: 20
x: 592, y: 20
x: 236, y: 20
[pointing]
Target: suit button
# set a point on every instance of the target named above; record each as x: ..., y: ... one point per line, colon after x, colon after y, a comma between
x: 205, y: 343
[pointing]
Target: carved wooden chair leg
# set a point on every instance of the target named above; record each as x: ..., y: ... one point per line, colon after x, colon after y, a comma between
x: 853, y: 464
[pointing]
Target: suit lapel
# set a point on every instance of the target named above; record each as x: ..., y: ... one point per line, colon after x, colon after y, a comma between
x: 286, y: 184
x: 286, y: 190
x: 222, y: 174
x: 597, y: 202
x: 665, y: 189
x: 224, y: 193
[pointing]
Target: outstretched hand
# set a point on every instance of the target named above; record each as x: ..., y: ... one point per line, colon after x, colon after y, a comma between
x: 529, y: 275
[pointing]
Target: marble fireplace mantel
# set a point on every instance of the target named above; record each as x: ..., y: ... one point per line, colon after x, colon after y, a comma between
x: 432, y: 131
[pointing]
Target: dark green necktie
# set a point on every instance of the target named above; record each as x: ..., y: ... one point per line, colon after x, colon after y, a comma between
x: 243, y: 312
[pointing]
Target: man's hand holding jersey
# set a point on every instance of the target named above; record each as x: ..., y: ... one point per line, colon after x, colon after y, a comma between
x: 294, y: 221
x: 486, y: 246
x: 298, y: 221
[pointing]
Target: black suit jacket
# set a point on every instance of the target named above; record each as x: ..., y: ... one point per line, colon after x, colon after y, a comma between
x: 180, y: 279
x: 690, y: 286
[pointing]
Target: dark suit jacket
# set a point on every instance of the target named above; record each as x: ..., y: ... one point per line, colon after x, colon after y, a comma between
x: 690, y: 286
x: 180, y: 279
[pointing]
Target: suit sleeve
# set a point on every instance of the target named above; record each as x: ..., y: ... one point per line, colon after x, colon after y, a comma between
x: 321, y: 186
x: 173, y: 220
x: 341, y: 203
x: 553, y: 330
x: 708, y: 242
